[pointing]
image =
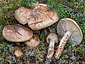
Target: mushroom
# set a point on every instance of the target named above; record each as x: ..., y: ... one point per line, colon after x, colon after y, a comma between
x: 41, y: 16
x: 68, y: 29
x: 33, y: 42
x: 52, y: 38
x: 38, y: 17
x: 18, y: 52
x: 17, y: 33
x: 22, y: 14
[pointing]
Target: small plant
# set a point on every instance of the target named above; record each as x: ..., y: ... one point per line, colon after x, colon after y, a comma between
x: 63, y: 58
x: 36, y: 52
x: 68, y: 44
x: 2, y: 61
x: 80, y: 49
x: 81, y: 58
x: 42, y: 36
x: 43, y: 45
x: 3, y: 45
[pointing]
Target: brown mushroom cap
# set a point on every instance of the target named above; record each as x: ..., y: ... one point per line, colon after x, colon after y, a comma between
x: 52, y: 36
x: 18, y: 52
x: 17, y: 33
x: 22, y: 15
x: 41, y: 16
x: 33, y: 42
x: 70, y: 25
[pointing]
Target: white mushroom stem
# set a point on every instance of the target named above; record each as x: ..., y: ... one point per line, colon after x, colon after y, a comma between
x: 62, y: 44
x: 51, y: 49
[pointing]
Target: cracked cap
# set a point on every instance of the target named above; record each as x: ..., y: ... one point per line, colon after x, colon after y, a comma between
x: 67, y: 24
x: 41, y: 16
x: 52, y: 36
x: 17, y: 33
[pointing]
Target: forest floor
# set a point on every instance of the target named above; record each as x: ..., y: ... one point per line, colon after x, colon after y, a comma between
x: 74, y: 9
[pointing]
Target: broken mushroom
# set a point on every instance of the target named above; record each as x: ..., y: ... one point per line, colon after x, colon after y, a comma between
x: 52, y: 38
x: 18, y: 52
x: 68, y: 29
x: 17, y: 33
x: 41, y: 16
x: 33, y: 42
x: 22, y: 15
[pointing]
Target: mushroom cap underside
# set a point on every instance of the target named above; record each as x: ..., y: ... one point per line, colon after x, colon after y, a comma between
x: 67, y: 24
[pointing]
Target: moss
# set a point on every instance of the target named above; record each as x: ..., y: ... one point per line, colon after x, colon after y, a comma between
x: 3, y: 45
x: 80, y: 49
x: 63, y: 58
x: 42, y: 36
x: 36, y: 52
x: 43, y: 45
x: 2, y: 61
x: 68, y: 44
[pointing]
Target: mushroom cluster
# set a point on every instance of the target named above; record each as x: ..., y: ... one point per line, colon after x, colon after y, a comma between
x: 39, y: 17
x: 18, y: 33
x: 69, y: 30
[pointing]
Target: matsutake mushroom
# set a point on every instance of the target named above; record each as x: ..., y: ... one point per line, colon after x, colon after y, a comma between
x: 41, y: 16
x: 38, y: 17
x: 33, y: 42
x: 22, y: 14
x: 18, y: 52
x: 17, y: 33
x: 52, y: 38
x: 68, y: 29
